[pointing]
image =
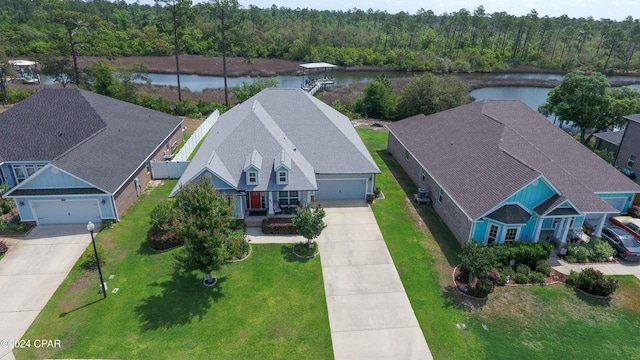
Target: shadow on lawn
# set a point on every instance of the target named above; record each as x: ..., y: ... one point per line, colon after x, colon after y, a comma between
x: 441, y: 233
x: 289, y: 256
x: 183, y: 298
x: 65, y: 313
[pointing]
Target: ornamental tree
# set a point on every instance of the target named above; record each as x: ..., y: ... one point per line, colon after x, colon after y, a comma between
x: 206, y: 223
x: 309, y: 222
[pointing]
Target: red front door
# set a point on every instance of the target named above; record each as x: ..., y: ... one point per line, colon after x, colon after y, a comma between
x: 255, y: 200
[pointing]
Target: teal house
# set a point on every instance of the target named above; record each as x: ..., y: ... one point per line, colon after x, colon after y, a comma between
x: 497, y: 171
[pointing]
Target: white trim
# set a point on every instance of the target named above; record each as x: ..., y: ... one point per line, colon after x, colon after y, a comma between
x: 34, y: 215
x: 286, y: 177
x: 486, y: 237
x: 48, y: 166
x: 252, y: 173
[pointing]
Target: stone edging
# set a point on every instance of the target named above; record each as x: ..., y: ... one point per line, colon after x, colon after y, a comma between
x: 453, y: 277
x: 293, y: 250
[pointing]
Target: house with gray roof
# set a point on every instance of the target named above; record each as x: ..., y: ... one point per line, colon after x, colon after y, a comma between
x: 629, y: 148
x: 498, y: 172
x: 282, y: 148
x: 73, y: 156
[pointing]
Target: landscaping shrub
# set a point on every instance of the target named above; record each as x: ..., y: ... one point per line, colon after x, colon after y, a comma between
x: 278, y: 226
x: 600, y: 249
x: 520, y: 278
x: 89, y: 258
x: 596, y: 283
x: 162, y: 216
x: 634, y: 211
x: 3, y: 248
x: 523, y: 269
x: 238, y: 247
x: 572, y: 278
x: 595, y: 250
x: 163, y: 240
x: 505, y: 273
x: 239, y: 224
x: 537, y: 277
x: 483, y: 287
x: 5, y: 204
x: 522, y: 253
x: 543, y: 267
x: 579, y: 252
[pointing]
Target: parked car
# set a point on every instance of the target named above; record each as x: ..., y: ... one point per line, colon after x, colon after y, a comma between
x: 627, y: 223
x: 629, y: 173
x: 624, y: 244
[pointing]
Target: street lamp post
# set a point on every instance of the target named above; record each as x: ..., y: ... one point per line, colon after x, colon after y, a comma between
x: 91, y: 227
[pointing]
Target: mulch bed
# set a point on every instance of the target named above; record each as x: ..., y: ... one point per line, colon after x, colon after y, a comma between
x: 461, y: 278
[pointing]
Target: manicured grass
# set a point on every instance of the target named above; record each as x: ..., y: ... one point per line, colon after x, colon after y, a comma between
x: 524, y: 322
x: 270, y: 306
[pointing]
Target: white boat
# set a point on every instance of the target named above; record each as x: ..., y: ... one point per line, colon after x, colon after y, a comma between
x: 26, y: 72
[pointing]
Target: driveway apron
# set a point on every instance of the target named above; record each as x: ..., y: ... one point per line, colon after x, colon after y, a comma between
x: 369, y: 312
x: 31, y: 272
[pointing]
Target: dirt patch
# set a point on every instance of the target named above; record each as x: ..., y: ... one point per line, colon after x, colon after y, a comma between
x: 191, y: 125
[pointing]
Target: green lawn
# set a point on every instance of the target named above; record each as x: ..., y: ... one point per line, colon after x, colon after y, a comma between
x: 270, y: 306
x: 523, y: 322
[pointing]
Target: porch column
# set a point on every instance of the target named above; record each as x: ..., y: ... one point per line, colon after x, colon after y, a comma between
x: 270, y: 202
x: 536, y: 233
x: 565, y: 230
x: 598, y: 231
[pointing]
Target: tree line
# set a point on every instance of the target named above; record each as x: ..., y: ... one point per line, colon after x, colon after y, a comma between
x: 461, y: 40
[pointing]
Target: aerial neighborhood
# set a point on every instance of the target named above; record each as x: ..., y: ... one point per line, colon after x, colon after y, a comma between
x: 201, y: 180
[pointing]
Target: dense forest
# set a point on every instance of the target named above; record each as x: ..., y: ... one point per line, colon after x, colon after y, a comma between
x: 462, y: 40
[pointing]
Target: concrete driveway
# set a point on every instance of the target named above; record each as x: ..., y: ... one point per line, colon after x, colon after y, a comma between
x: 369, y: 312
x: 31, y: 272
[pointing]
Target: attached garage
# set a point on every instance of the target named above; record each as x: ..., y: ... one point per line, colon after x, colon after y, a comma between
x: 66, y: 212
x: 616, y: 203
x: 341, y: 189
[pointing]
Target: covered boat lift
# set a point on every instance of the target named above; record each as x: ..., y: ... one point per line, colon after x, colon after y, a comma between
x: 317, y: 76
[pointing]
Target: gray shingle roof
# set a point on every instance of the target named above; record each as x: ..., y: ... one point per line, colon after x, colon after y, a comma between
x: 483, y: 152
x: 103, y: 140
x: 634, y: 117
x: 510, y: 214
x: 614, y: 137
x: 46, y: 124
x: 314, y: 137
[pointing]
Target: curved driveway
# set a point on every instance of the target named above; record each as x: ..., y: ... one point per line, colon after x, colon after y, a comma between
x: 369, y: 312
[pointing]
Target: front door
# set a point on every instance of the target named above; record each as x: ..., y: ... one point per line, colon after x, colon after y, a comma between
x: 255, y: 200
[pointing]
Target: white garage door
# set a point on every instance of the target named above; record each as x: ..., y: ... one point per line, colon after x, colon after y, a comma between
x: 616, y: 203
x: 66, y: 212
x: 341, y: 189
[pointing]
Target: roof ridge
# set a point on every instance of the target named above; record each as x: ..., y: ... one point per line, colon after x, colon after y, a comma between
x: 281, y: 138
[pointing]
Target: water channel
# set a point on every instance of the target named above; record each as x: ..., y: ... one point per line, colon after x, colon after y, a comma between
x: 532, y: 96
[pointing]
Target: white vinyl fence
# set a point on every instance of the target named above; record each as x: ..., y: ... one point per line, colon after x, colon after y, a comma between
x: 174, y: 168
x: 195, y: 138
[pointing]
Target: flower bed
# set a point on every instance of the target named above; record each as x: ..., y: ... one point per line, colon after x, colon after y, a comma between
x: 278, y: 226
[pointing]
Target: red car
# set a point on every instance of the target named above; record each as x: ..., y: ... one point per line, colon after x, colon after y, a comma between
x: 629, y: 224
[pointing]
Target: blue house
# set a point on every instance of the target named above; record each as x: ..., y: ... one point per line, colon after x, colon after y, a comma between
x: 500, y: 172
x: 73, y: 156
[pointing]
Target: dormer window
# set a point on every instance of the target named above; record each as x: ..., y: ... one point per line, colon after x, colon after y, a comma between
x: 252, y: 177
x: 281, y: 166
x: 282, y: 177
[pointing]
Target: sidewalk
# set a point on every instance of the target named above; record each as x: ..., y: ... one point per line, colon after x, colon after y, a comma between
x: 622, y: 267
